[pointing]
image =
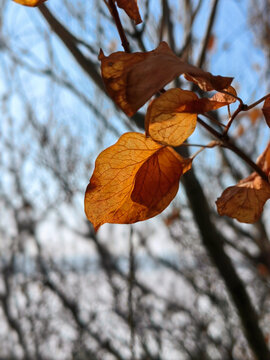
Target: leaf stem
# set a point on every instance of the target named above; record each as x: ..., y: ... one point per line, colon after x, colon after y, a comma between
x: 228, y: 144
x: 257, y: 102
x: 232, y: 95
x: 203, y: 147
x: 115, y: 15
x: 241, y: 107
x: 210, y: 145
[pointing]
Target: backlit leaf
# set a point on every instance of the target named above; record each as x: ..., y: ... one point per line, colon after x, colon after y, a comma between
x: 266, y: 111
x: 225, y: 97
x: 245, y: 201
x: 172, y: 117
x: 131, y: 8
x: 31, y: 3
x: 166, y: 120
x: 131, y: 79
x: 134, y: 179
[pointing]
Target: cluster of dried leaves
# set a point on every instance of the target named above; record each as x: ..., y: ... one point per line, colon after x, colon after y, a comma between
x: 137, y: 178
x: 245, y: 200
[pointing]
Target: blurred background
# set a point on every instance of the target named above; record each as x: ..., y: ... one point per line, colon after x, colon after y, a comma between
x: 186, y: 285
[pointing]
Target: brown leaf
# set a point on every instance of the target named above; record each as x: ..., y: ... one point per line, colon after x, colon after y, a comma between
x: 225, y: 97
x: 263, y: 160
x: 266, y: 111
x: 31, y: 3
x: 131, y: 79
x: 245, y: 201
x: 134, y: 179
x: 172, y: 117
x: 131, y: 8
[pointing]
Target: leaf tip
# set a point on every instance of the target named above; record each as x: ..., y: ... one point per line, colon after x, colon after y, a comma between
x: 101, y: 55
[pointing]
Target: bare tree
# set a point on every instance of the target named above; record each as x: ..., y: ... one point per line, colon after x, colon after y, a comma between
x: 188, y: 285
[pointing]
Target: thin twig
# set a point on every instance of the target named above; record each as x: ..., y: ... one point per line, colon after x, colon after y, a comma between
x: 210, y: 145
x: 119, y: 26
x: 211, y: 117
x: 257, y: 102
x: 209, y: 28
x: 227, y: 143
x: 241, y: 107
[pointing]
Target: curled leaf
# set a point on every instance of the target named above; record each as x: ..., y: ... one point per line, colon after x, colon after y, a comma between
x: 245, y: 201
x: 228, y: 96
x: 30, y: 3
x: 172, y: 117
x: 131, y: 79
x: 134, y: 179
x: 131, y: 8
x: 266, y: 111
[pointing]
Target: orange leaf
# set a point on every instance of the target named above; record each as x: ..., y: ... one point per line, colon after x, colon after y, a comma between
x: 31, y: 3
x: 166, y: 120
x: 266, y: 111
x: 172, y: 117
x: 131, y: 8
x: 131, y: 79
x: 134, y: 179
x: 245, y: 201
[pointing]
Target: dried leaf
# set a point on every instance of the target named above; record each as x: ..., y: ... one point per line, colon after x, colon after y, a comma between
x: 266, y: 111
x: 134, y: 179
x: 166, y: 120
x: 172, y: 117
x: 225, y: 97
x: 131, y: 8
x: 31, y: 3
x: 263, y: 160
x: 245, y: 201
x: 131, y: 79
